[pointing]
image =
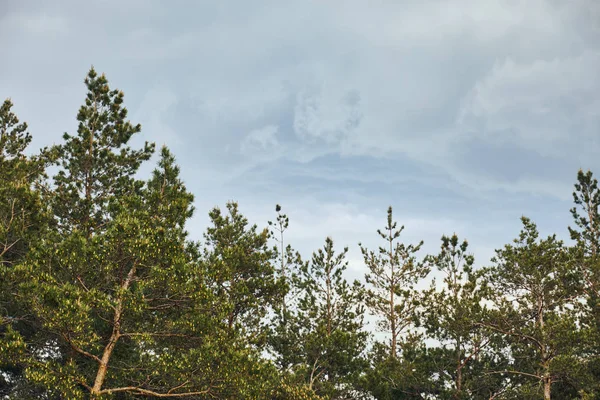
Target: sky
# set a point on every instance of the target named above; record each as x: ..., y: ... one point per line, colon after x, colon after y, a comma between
x: 462, y: 115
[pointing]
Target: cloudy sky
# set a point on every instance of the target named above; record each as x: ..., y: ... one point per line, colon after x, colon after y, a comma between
x: 463, y: 115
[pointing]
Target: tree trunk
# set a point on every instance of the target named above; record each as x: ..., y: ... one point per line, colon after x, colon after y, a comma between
x: 547, y: 387
x: 283, y: 272
x: 591, y: 217
x: 457, y: 395
x: 88, y: 181
x: 459, y: 367
x: 392, y: 311
x: 329, y: 311
x: 547, y: 379
x: 114, y: 337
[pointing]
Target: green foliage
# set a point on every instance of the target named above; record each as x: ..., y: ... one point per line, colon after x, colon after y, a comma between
x: 284, y: 341
x: 395, y: 378
x: 22, y: 215
x: 240, y: 273
x: 104, y: 295
x: 452, y: 317
x: 585, y: 213
x: 329, y: 322
x: 393, y: 273
x: 533, y: 287
x: 22, y: 220
x: 127, y: 296
x: 287, y: 391
x: 585, y: 251
x: 97, y: 166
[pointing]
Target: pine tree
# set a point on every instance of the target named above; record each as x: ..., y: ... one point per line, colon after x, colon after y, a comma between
x: 586, y: 235
x: 587, y: 200
x: 330, y: 323
x: 289, y: 260
x: 240, y: 272
x: 534, y: 290
x: 452, y: 316
x: 126, y: 308
x: 393, y: 274
x: 22, y: 218
x: 97, y: 165
x: 406, y: 377
x: 21, y: 212
x: 283, y: 333
x: 118, y: 289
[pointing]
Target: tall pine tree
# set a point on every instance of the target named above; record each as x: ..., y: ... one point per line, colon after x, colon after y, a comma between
x: 283, y: 335
x: 586, y: 235
x: 330, y: 323
x: 21, y: 212
x: 118, y: 289
x: 240, y: 272
x: 393, y: 273
x: 97, y: 165
x: 533, y: 295
x: 23, y: 217
x: 127, y: 309
x: 452, y: 315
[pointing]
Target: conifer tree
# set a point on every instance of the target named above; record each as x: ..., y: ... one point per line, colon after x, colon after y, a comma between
x: 283, y: 334
x: 534, y: 292
x: 452, y: 316
x: 118, y: 289
x: 393, y: 274
x: 240, y: 272
x: 405, y: 377
x: 104, y: 296
x: 126, y: 308
x: 21, y: 212
x: 288, y: 259
x: 22, y: 218
x: 585, y: 213
x: 330, y: 323
x: 97, y: 165
x: 586, y: 235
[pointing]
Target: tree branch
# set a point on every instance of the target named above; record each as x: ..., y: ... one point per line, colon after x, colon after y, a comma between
x: 514, y: 373
x: 147, y: 392
x: 81, y: 351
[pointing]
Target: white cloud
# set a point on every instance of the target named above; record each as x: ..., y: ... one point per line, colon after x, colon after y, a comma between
x: 549, y: 106
x: 324, y: 115
x: 358, y: 79
x: 247, y: 84
x: 261, y: 143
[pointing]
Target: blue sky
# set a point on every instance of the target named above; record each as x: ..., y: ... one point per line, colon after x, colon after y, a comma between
x: 462, y: 115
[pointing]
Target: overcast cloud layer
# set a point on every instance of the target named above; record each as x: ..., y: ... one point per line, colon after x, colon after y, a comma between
x: 463, y: 115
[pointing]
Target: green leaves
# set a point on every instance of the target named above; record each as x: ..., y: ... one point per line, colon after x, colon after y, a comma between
x: 533, y: 297
x: 23, y: 218
x: 97, y: 165
x: 330, y: 324
x: 452, y: 314
x: 587, y: 264
x: 103, y: 294
x: 120, y: 298
x: 585, y: 212
x: 22, y: 215
x: 14, y: 137
x: 239, y: 270
x: 393, y: 273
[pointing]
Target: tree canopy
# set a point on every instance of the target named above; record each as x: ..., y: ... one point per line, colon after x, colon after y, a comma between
x: 105, y: 295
